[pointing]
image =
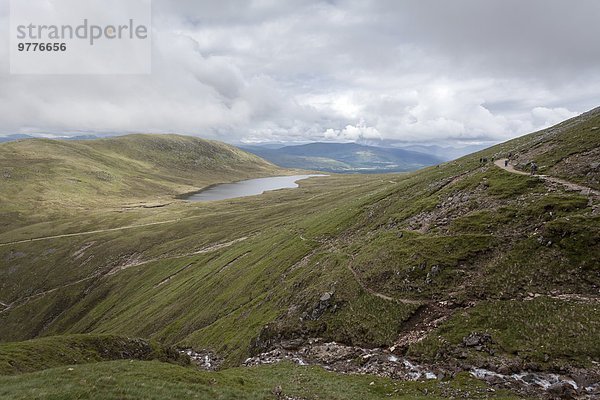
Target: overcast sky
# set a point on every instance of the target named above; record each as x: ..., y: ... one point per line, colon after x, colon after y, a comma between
x: 434, y: 71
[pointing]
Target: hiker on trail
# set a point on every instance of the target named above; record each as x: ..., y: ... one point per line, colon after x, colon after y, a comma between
x: 505, y: 163
x: 534, y: 168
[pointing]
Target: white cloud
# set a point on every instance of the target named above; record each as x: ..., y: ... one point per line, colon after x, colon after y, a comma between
x: 353, y: 133
x: 321, y: 70
x: 543, y: 116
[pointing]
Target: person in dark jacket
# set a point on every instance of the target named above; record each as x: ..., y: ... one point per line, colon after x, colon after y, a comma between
x: 534, y: 168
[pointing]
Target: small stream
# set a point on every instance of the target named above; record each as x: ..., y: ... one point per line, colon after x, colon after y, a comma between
x: 382, y: 362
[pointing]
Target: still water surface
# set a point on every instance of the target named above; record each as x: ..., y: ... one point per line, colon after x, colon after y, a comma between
x: 250, y: 187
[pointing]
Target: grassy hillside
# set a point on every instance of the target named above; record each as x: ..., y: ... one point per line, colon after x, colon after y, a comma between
x: 419, y: 261
x: 568, y: 150
x: 51, y: 352
x: 58, y: 174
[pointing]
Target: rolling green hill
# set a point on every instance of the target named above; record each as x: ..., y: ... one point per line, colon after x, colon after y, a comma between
x: 419, y: 263
x: 61, y: 175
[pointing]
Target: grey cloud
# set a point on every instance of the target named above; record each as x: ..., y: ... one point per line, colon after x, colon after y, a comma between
x: 273, y: 70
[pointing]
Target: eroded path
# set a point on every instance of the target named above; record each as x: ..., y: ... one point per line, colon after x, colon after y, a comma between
x: 569, y: 185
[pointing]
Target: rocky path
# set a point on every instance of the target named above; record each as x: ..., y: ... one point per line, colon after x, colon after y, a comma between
x: 569, y: 185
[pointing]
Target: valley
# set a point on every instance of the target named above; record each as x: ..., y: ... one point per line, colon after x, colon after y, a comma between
x: 456, y: 268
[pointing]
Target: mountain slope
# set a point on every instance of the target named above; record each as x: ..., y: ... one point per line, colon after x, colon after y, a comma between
x: 53, y: 174
x: 462, y: 265
x: 568, y: 150
x: 345, y: 158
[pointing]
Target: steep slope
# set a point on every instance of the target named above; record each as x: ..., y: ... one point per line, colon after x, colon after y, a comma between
x: 462, y: 265
x: 345, y: 158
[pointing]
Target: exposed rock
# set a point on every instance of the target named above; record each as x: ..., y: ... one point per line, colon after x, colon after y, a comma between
x: 477, y: 339
x: 325, y: 297
x: 563, y: 391
x: 14, y: 255
x: 348, y: 359
x: 292, y: 344
x: 322, y: 306
x: 204, y: 359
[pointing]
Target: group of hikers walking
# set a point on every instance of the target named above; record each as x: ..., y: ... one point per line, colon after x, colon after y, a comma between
x: 532, y: 165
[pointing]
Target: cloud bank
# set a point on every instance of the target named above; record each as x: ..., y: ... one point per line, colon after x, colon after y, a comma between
x: 340, y: 70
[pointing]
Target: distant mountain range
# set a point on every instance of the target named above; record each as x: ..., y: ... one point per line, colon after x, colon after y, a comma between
x: 446, y: 153
x: 11, y: 138
x: 336, y: 157
x: 345, y: 157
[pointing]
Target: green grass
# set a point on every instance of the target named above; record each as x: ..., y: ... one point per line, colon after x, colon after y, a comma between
x: 50, y: 352
x: 416, y: 265
x: 155, y: 380
x: 538, y: 330
x: 222, y: 300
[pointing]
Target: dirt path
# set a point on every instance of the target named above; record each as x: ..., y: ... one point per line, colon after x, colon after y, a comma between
x: 95, y: 232
x: 569, y: 185
x: 509, y: 168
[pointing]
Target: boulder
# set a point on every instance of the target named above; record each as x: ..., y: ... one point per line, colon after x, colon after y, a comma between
x: 562, y: 391
x: 477, y: 339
